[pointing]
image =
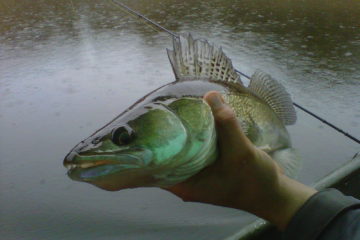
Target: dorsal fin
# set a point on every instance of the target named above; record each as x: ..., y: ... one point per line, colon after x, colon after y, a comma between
x: 274, y: 94
x: 197, y: 59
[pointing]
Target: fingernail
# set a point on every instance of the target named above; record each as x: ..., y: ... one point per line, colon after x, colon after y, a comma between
x: 215, y: 100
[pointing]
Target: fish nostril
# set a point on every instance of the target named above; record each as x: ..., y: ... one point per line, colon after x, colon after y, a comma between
x: 96, y: 140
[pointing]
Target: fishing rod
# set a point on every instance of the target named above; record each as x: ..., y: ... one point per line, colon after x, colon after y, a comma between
x: 147, y: 20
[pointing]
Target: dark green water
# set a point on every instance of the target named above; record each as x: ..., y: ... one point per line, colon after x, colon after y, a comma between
x: 68, y: 67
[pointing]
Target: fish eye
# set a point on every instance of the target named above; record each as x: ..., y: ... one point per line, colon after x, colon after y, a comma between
x: 122, y: 136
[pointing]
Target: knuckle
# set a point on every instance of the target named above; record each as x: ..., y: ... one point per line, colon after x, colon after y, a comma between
x: 225, y: 115
x: 247, y: 153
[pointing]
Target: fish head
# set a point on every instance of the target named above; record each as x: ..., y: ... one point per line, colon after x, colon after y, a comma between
x: 127, y: 152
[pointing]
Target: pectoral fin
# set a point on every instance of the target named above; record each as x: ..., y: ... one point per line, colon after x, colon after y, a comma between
x: 289, y: 161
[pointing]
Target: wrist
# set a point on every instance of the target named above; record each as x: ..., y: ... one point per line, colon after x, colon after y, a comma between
x: 287, y: 200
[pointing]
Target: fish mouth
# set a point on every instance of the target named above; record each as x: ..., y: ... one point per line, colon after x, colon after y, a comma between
x: 90, y: 166
x: 83, y: 165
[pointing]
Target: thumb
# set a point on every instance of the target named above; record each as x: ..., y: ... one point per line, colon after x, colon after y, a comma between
x: 228, y: 127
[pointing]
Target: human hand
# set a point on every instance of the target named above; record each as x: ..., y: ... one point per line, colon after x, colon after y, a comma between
x: 243, y: 177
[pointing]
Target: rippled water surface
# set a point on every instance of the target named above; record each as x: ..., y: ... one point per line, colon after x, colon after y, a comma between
x: 68, y: 67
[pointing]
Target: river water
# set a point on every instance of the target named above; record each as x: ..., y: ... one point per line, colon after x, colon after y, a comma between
x: 68, y: 67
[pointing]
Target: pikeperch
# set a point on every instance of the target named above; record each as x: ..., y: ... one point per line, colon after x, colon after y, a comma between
x: 169, y: 135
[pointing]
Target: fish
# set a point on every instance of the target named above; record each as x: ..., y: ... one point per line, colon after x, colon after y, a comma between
x: 169, y: 135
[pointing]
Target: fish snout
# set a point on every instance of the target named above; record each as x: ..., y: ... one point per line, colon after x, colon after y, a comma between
x: 69, y: 158
x: 80, y: 148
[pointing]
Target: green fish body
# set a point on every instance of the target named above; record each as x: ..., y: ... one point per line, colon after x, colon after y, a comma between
x: 169, y: 135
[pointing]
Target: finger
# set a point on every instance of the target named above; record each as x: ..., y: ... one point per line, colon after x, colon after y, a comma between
x: 229, y: 130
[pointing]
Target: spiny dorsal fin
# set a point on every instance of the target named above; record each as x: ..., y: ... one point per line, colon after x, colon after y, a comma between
x: 274, y: 94
x: 197, y: 59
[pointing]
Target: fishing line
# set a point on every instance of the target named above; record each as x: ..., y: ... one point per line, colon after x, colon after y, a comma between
x: 144, y: 18
x: 147, y: 20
